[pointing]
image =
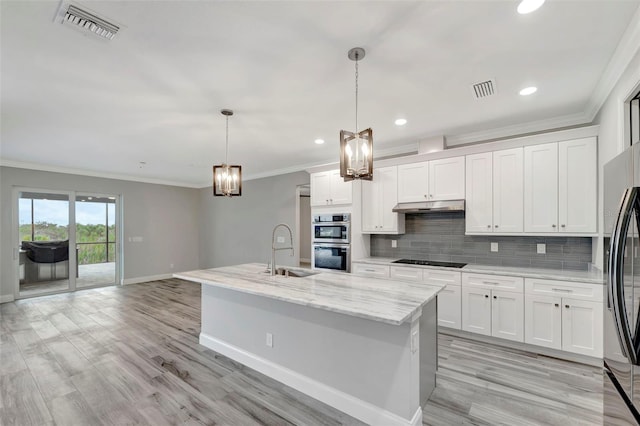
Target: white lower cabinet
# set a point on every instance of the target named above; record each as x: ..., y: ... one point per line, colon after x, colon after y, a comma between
x: 449, y: 307
x: 564, y: 315
x: 493, y: 305
x: 370, y: 270
x: 582, y: 327
x: 449, y: 302
x: 543, y: 321
x: 405, y: 273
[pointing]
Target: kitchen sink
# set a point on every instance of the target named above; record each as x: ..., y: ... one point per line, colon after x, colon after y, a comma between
x: 298, y: 273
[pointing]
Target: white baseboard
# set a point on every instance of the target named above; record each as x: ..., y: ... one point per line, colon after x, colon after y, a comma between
x: 344, y: 402
x: 138, y: 280
x: 555, y: 353
x: 305, y: 260
x: 5, y: 298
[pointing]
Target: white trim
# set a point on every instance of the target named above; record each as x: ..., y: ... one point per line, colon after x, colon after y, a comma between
x: 555, y: 353
x: 57, y: 169
x: 6, y: 298
x: 546, y: 125
x: 148, y: 278
x: 342, y: 401
x: 626, y: 50
x: 305, y: 260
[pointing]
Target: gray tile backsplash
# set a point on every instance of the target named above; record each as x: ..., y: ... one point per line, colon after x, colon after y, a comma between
x: 440, y: 236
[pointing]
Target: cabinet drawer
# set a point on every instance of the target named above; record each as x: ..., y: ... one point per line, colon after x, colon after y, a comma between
x: 369, y: 270
x: 434, y: 276
x: 405, y: 273
x: 580, y: 291
x: 498, y: 282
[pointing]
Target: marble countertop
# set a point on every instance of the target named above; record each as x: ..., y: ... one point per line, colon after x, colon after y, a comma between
x: 384, y: 300
x: 595, y: 277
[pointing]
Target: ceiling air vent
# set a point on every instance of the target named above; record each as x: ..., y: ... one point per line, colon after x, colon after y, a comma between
x: 484, y: 89
x: 89, y: 22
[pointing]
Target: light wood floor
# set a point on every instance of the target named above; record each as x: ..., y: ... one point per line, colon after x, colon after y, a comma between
x: 130, y: 356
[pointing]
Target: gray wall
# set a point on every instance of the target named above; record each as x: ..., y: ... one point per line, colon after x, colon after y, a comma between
x: 440, y: 236
x: 238, y: 229
x: 167, y: 217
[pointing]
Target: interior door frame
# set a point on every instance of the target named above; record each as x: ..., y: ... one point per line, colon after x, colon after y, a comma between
x: 15, y: 237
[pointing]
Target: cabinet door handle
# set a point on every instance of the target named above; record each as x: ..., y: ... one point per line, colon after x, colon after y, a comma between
x: 486, y: 296
x: 567, y: 306
x: 562, y: 225
x: 331, y: 199
x: 488, y: 226
x: 562, y: 290
x: 557, y: 305
x: 430, y: 196
x: 553, y: 226
x: 495, y: 297
x: 369, y: 270
x: 490, y: 283
x: 495, y: 226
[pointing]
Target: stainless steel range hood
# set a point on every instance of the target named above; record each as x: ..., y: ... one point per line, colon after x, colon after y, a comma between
x: 430, y: 206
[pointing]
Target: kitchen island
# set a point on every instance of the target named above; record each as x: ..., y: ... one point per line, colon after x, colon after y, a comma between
x: 365, y: 346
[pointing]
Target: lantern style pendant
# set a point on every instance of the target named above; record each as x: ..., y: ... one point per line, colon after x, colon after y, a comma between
x: 356, y: 148
x: 227, y: 179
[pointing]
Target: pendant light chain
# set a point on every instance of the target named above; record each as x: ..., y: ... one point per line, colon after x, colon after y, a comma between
x: 226, y: 154
x: 356, y: 93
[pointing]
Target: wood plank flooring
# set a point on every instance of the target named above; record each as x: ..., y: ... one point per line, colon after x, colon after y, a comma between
x: 130, y: 355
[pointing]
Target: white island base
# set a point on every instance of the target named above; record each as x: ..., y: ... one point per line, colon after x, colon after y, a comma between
x: 378, y: 372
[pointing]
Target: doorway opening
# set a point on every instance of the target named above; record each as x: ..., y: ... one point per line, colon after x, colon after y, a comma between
x: 303, y: 225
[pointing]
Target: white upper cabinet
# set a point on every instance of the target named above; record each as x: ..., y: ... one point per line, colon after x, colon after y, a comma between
x: 379, y: 197
x: 560, y: 187
x: 413, y: 182
x: 479, y: 186
x: 432, y: 180
x: 577, y: 185
x: 329, y: 188
x: 541, y: 188
x: 494, y: 192
x: 507, y: 190
x: 446, y: 179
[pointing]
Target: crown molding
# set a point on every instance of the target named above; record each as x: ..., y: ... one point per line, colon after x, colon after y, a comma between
x: 92, y: 173
x: 626, y: 50
x: 545, y: 125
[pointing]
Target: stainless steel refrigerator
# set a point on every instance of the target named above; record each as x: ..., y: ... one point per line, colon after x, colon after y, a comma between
x: 622, y: 270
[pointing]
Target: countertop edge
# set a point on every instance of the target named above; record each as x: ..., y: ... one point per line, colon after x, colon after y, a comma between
x: 558, y: 275
x: 219, y: 284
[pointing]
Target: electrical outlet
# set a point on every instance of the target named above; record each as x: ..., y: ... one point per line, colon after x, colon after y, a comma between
x: 270, y: 340
x: 541, y: 248
x: 414, y: 341
x: 394, y: 243
x: 494, y: 247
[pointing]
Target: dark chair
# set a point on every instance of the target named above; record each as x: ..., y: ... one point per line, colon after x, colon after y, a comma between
x: 47, y: 251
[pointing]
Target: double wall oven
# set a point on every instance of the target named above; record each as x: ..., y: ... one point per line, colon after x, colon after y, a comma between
x: 331, y: 235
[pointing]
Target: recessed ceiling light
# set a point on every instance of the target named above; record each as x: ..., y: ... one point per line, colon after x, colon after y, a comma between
x: 528, y: 6
x: 319, y: 141
x: 401, y: 121
x: 528, y: 91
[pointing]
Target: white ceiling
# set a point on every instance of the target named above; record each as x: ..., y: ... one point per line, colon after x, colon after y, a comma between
x: 153, y: 94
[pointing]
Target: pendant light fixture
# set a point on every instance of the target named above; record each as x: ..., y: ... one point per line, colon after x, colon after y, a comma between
x: 356, y: 148
x: 227, y: 180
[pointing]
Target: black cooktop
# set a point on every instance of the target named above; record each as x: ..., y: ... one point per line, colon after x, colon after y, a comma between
x: 430, y: 263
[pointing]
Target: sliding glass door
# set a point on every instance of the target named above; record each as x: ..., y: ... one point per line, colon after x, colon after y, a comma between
x: 65, y: 241
x: 96, y: 240
x: 44, y: 257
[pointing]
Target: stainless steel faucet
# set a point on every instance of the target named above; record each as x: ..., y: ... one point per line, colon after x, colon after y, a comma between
x: 273, y: 246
